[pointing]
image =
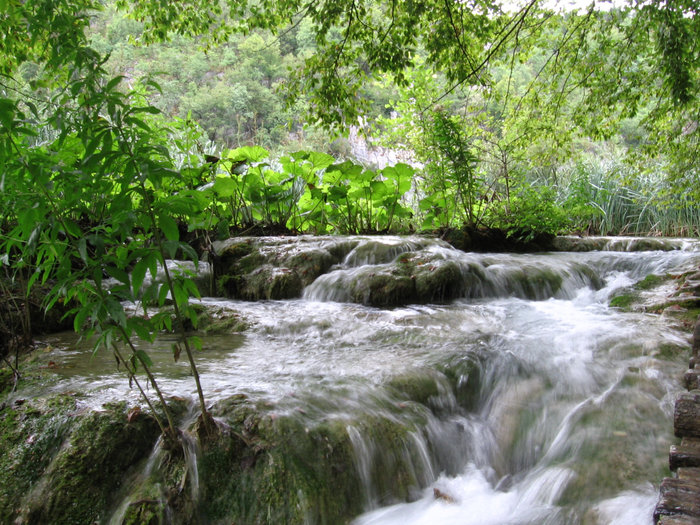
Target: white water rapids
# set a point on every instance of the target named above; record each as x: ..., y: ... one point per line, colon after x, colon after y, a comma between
x: 552, y: 409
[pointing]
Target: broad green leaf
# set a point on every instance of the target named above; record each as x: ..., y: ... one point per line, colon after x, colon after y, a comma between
x: 114, y: 82
x: 168, y: 226
x: 196, y: 342
x: 119, y: 274
x: 115, y: 310
x: 163, y: 294
x: 248, y: 154
x: 225, y: 186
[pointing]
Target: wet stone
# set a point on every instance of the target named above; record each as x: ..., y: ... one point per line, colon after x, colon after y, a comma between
x: 691, y: 379
x: 678, y: 498
x: 687, y: 454
x: 686, y: 415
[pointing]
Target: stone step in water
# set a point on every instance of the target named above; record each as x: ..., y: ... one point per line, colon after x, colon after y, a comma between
x: 678, y: 520
x: 686, y: 416
x: 685, y: 455
x: 691, y: 379
x: 688, y: 473
x: 679, y: 499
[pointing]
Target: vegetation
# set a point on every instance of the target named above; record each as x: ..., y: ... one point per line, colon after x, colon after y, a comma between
x: 110, y: 170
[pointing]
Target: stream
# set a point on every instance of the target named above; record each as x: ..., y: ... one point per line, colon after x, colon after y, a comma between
x: 528, y: 399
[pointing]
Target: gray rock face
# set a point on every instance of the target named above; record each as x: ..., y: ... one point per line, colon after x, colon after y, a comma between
x: 380, y: 272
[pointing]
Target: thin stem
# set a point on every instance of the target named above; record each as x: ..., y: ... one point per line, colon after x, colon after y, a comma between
x: 132, y: 376
x: 152, y: 380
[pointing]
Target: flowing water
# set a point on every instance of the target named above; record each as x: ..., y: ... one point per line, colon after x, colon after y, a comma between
x: 543, y: 404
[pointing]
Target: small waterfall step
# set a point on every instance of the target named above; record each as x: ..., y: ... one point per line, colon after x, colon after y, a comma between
x: 679, y: 499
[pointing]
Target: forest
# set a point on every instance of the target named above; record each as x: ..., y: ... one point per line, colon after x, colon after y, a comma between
x: 136, y: 133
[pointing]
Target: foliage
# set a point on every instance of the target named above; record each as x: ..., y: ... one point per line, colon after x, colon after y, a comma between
x: 308, y: 193
x: 97, y: 186
x: 90, y: 211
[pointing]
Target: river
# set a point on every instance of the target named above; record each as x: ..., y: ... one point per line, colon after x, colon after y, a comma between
x: 537, y: 402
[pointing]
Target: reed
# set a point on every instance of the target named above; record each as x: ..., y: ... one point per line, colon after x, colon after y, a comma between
x: 609, y: 197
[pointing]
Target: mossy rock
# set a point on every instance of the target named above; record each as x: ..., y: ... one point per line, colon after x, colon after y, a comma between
x: 651, y: 281
x: 7, y: 380
x: 283, y: 468
x: 419, y: 386
x: 276, y: 469
x: 310, y: 264
x: 31, y: 434
x: 61, y: 465
x: 213, y: 320
x: 258, y: 269
x: 82, y: 480
x: 616, y: 454
x: 384, y: 288
x: 534, y: 283
x: 632, y: 297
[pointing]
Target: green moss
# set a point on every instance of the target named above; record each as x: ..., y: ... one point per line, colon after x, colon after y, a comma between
x: 623, y: 301
x: 278, y: 470
x: 82, y: 479
x: 615, y: 454
x: 7, y: 380
x: 384, y: 289
x: 651, y: 281
x: 236, y: 251
x: 310, y: 264
x: 439, y: 282
x: 31, y: 435
x: 282, y: 468
x: 418, y: 386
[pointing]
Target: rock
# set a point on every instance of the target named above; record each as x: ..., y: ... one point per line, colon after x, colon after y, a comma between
x: 691, y: 379
x: 696, y: 339
x: 678, y: 498
x: 273, y: 268
x: 70, y: 469
x: 685, y: 455
x: 688, y: 473
x: 678, y: 520
x: 438, y: 494
x: 686, y: 416
x: 384, y: 288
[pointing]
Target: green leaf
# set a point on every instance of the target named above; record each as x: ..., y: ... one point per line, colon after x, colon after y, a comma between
x: 248, y: 154
x: 196, y: 342
x: 115, y: 311
x: 163, y: 294
x: 141, y: 327
x: 82, y: 250
x: 224, y: 186
x: 119, y: 274
x: 138, y: 274
x: 144, y: 358
x: 168, y: 226
x: 114, y: 83
x: 80, y: 317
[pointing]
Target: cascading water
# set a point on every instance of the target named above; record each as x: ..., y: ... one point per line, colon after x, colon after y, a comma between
x: 524, y: 398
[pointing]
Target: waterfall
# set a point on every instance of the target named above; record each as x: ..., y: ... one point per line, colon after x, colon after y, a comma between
x: 439, y: 386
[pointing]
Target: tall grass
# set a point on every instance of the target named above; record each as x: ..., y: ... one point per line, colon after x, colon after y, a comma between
x: 609, y: 197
